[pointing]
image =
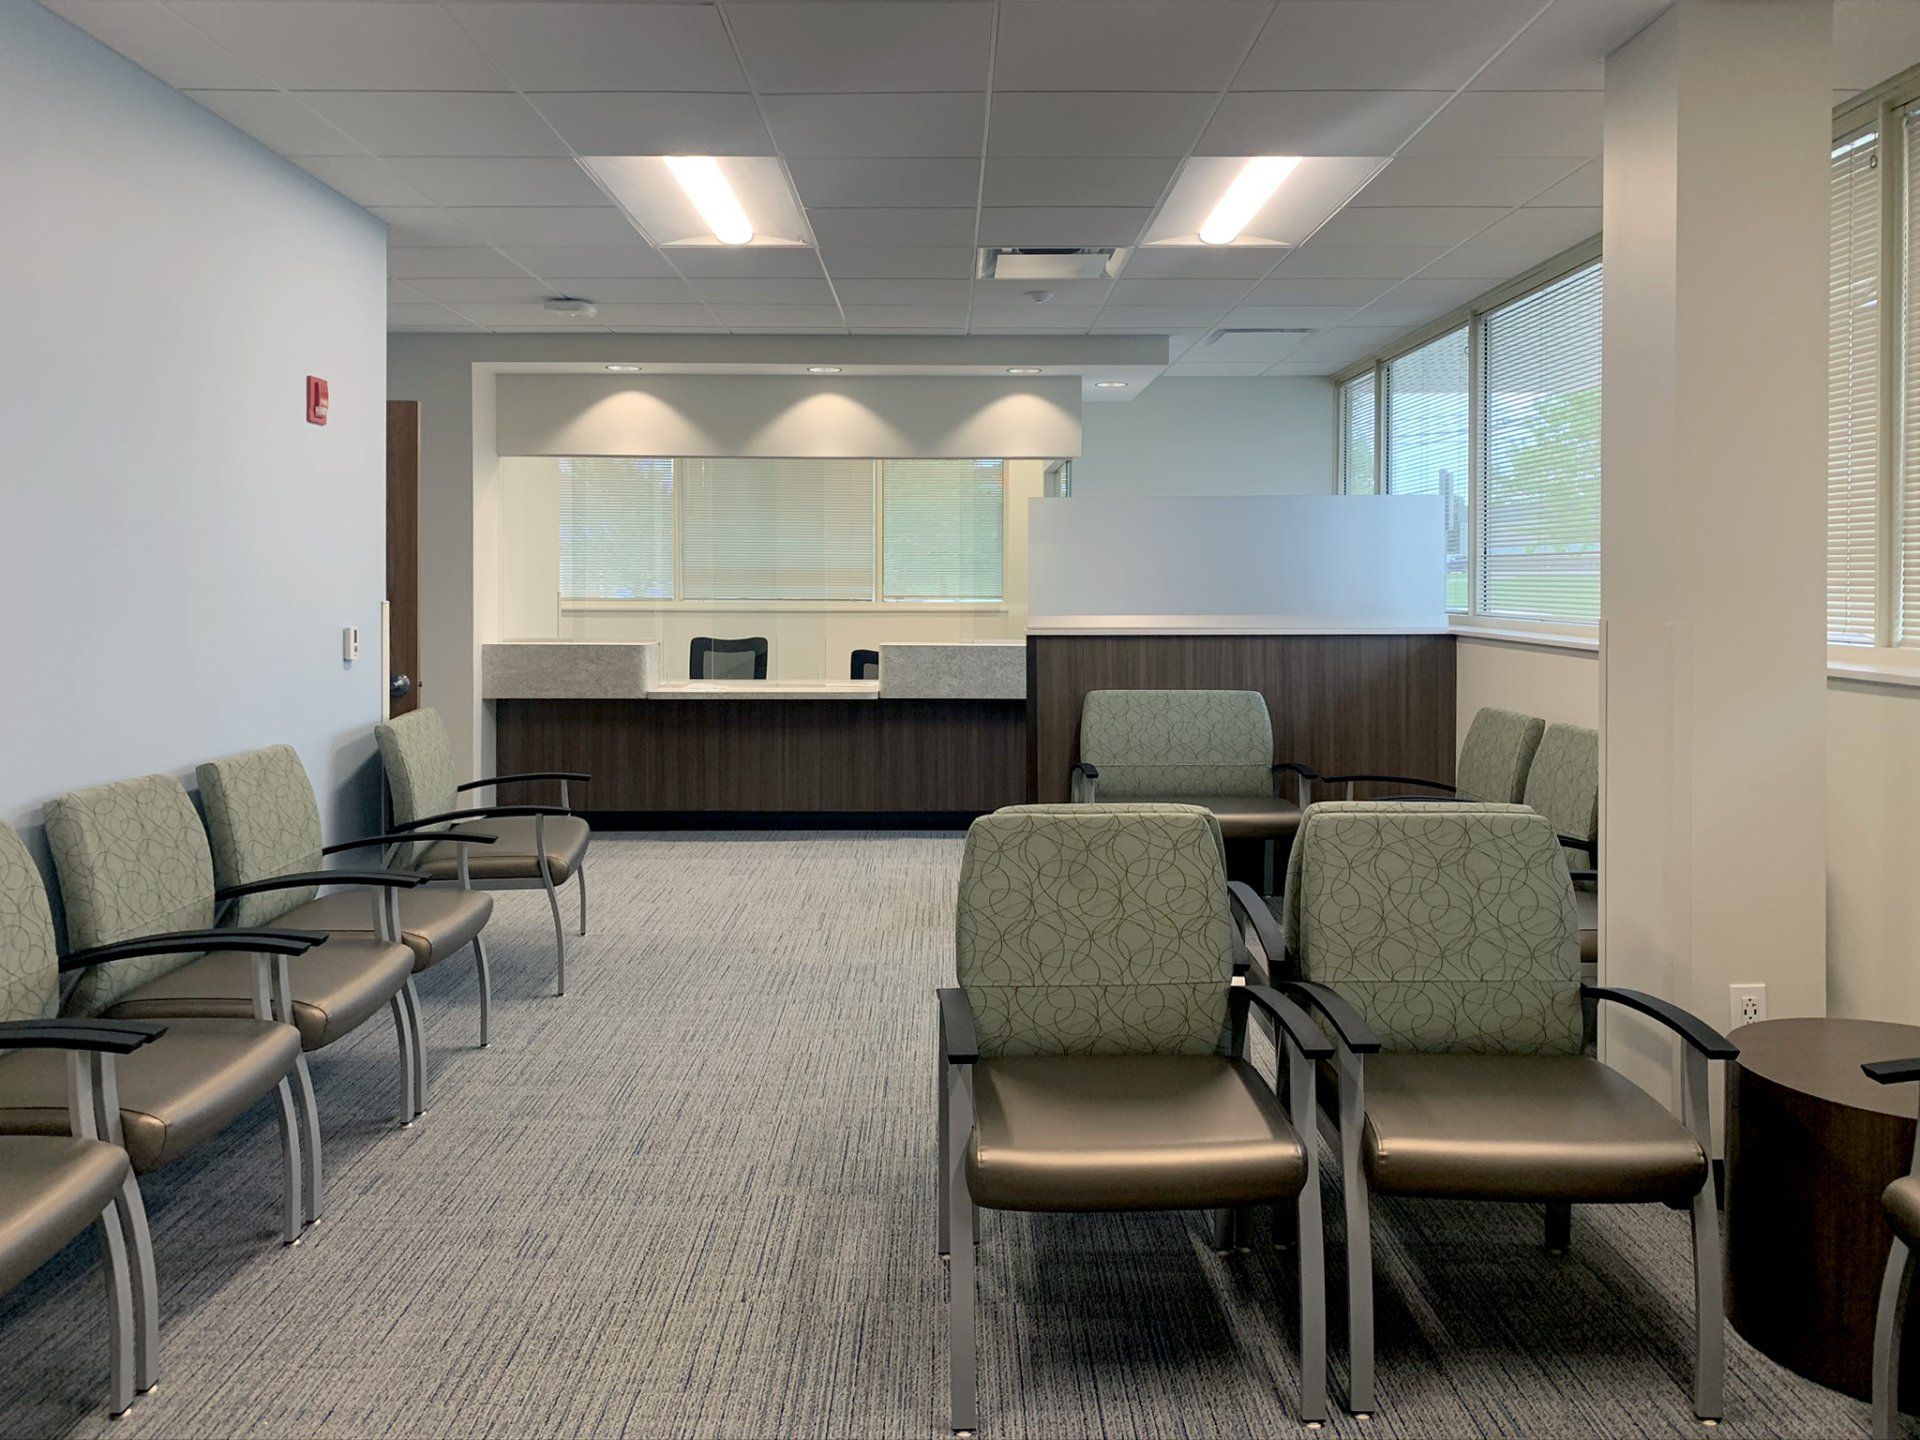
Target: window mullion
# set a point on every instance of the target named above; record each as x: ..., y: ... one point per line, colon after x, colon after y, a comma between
x: 1476, y: 469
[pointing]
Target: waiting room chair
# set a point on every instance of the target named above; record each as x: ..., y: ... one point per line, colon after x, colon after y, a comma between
x: 534, y: 846
x: 711, y: 659
x: 1212, y: 748
x: 186, y: 1087
x: 1494, y: 761
x: 52, y: 1188
x: 1438, y: 943
x: 866, y: 665
x: 1091, y: 1057
x: 1902, y: 1202
x: 1563, y: 784
x: 263, y: 823
x: 133, y: 859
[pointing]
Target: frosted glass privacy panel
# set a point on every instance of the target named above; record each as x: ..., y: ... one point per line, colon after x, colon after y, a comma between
x: 1237, y: 562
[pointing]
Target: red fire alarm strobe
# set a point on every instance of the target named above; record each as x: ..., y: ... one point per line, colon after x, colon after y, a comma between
x: 316, y: 400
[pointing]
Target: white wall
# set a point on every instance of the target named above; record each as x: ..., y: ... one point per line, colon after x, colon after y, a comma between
x: 1873, y: 851
x: 181, y: 550
x: 1211, y: 437
x: 1562, y: 685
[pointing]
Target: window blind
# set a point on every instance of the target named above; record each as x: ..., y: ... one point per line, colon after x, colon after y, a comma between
x: 1357, y: 435
x: 943, y: 535
x: 1907, y: 501
x: 616, y: 529
x: 1853, y: 390
x: 766, y: 529
x: 1540, y: 428
x: 1427, y: 440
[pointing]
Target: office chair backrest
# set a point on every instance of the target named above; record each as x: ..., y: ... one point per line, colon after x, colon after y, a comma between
x: 711, y: 659
x: 1088, y: 930
x: 1450, y: 926
x: 132, y: 860
x: 29, y: 970
x: 417, y: 756
x: 1495, y: 756
x: 1563, y: 784
x: 1177, y: 742
x: 262, y: 821
x: 866, y: 665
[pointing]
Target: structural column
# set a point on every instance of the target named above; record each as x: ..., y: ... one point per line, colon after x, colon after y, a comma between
x: 1718, y: 122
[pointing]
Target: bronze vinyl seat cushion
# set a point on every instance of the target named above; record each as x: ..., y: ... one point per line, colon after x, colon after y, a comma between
x: 51, y: 1188
x: 184, y: 1088
x: 1128, y: 1132
x: 435, y: 920
x: 1248, y: 817
x: 513, y: 856
x: 1902, y: 1202
x: 1586, y: 906
x: 336, y: 987
x: 1521, y: 1127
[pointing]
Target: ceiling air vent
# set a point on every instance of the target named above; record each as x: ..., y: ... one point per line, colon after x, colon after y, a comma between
x: 1225, y: 331
x: 1100, y: 262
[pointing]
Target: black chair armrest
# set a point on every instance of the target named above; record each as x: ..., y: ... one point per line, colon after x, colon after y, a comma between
x: 956, y: 1017
x: 529, y: 775
x: 380, y: 879
x: 1253, y: 911
x: 1348, y: 1023
x: 1297, y: 768
x: 1302, y: 1033
x: 1589, y: 847
x: 368, y: 842
x: 195, y: 942
x: 1892, y: 1072
x: 1691, y: 1028
x: 109, y: 1037
x: 478, y: 814
x: 1387, y: 780
x: 1584, y: 879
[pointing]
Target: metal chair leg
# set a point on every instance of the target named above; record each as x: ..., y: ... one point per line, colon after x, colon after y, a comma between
x: 1886, y: 1341
x: 401, y: 1031
x: 559, y: 941
x: 960, y: 1313
x: 486, y: 992
x: 1310, y: 1229
x: 1710, y: 1339
x: 120, y: 1322
x: 291, y: 1225
x: 131, y: 1212
x: 1353, y: 1184
x: 417, y: 1024
x: 942, y: 1079
x: 580, y: 878
x: 316, y: 1184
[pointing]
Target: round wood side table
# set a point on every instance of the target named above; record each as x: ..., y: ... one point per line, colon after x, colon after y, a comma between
x: 1811, y: 1143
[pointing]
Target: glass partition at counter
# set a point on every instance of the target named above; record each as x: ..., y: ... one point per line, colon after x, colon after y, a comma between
x: 820, y: 557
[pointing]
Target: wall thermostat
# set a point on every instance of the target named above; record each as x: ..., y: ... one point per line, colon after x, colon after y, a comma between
x: 350, y: 643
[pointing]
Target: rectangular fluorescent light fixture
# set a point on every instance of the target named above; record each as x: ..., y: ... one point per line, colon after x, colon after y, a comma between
x: 1246, y: 197
x: 704, y: 200
x: 707, y: 188
x: 1256, y: 200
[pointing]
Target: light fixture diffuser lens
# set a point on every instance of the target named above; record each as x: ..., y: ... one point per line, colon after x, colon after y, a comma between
x: 1109, y: 384
x: 1250, y: 191
x: 823, y: 369
x: 625, y: 369
x: 1023, y: 369
x: 712, y: 196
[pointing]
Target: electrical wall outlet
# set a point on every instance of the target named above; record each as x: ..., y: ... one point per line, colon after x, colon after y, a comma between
x: 1749, y: 1003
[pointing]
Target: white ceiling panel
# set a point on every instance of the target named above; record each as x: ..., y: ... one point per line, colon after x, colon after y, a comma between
x: 156, y: 39
x: 1504, y: 181
x: 1488, y: 264
x: 1548, y: 229
x: 631, y: 260
x: 1245, y: 349
x: 893, y: 226
x: 1317, y: 122
x: 1387, y: 313
x: 829, y: 47
x: 561, y: 46
x: 363, y: 180
x: 1018, y: 294
x: 664, y: 317
x: 746, y: 262
x: 853, y: 291
x: 1062, y: 225
x: 451, y: 262
x: 659, y: 290
x: 1514, y: 122
x: 1299, y: 368
x: 320, y: 45
x: 1356, y: 262
x: 1347, y: 344
x: 1380, y: 44
x: 1275, y: 317
x: 879, y: 125
x: 1438, y: 225
x: 523, y: 290
x: 1083, y: 180
x: 655, y: 123
x: 1873, y: 40
x: 425, y: 317
x: 1035, y: 320
x: 1580, y: 188
x: 1315, y: 290
x: 903, y: 262
x: 1086, y: 123
x: 472, y: 180
x: 1147, y: 318
x: 279, y: 121
x: 905, y: 317
x: 1132, y: 289
x: 1123, y: 45
x: 1216, y: 370
x: 1567, y: 47
x: 1441, y: 292
x: 424, y: 225
x: 796, y: 291
x: 779, y: 317
x: 416, y: 123
x: 886, y: 182
x: 1203, y: 262
x: 510, y: 225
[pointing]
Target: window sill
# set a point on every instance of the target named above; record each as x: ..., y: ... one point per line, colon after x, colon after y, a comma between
x: 1899, y: 669
x: 1521, y: 633
x: 811, y: 607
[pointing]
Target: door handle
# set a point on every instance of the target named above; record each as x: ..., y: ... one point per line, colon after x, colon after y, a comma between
x: 400, y: 685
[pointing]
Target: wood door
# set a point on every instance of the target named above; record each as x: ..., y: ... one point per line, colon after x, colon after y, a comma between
x: 403, y: 554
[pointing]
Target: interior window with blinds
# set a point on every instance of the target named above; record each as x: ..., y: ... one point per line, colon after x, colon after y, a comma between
x: 1907, y: 501
x: 1540, y: 453
x: 616, y: 529
x: 776, y: 529
x: 944, y: 529
x: 1427, y: 441
x: 1853, y: 390
x: 1357, y: 435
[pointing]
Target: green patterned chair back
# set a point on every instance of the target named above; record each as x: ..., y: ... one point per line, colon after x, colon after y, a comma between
x: 1160, y: 743
x: 1450, y: 926
x: 1495, y: 756
x: 418, y: 759
x: 1563, y: 784
x: 262, y: 821
x: 1095, y: 930
x: 132, y: 861
x: 29, y: 960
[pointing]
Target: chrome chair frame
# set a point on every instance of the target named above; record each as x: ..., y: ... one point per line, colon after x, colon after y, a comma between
x: 1890, y: 1317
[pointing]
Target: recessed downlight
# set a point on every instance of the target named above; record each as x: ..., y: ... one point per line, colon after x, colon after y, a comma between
x: 1245, y: 197
x: 712, y: 196
x: 624, y: 369
x: 1023, y: 369
x: 823, y: 369
x: 1109, y: 384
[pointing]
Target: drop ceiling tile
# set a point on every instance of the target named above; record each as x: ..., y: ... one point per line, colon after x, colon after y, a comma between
x: 634, y: 259
x: 877, y: 125
x: 473, y: 180
x: 829, y: 47
x: 1132, y: 289
x: 1115, y: 180
x: 278, y: 121
x: 1275, y: 317
x: 320, y: 45
x: 1487, y: 263
x: 423, y: 225
x: 1581, y: 188
x: 1356, y: 262
x: 1441, y: 292
x: 1300, y: 368
x: 395, y: 123
x: 362, y: 179
x: 714, y: 329
x: 1122, y: 45
x: 1567, y: 47
x: 1036, y: 320
x: 1226, y: 262
x: 1514, y: 122
x: 603, y: 290
x: 425, y: 317
x: 905, y: 317
x: 401, y: 293
x: 1145, y: 318
x: 1317, y: 290
x: 1442, y: 180
x: 944, y: 328
x: 1348, y: 344
x: 1389, y: 314
x: 1435, y: 225
x: 156, y: 39
x: 748, y: 262
x: 508, y: 225
x: 1380, y: 44
x: 874, y: 225
x: 841, y: 182
x: 1215, y: 370
x: 1249, y: 349
x: 905, y: 262
x: 854, y: 291
x: 1873, y: 40
x: 696, y: 317
x: 1089, y: 123
x: 1016, y: 294
x: 451, y: 262
x: 655, y: 123
x: 1551, y: 229
x: 561, y: 46
x: 1316, y: 122
x: 779, y: 317
x: 525, y: 317
x: 797, y: 291
x: 1062, y: 226
x: 522, y: 290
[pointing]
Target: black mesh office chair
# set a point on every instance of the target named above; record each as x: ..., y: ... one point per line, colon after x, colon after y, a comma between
x: 866, y: 665
x: 711, y: 659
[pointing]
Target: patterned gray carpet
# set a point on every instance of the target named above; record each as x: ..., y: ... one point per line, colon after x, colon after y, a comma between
x: 695, y: 1198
